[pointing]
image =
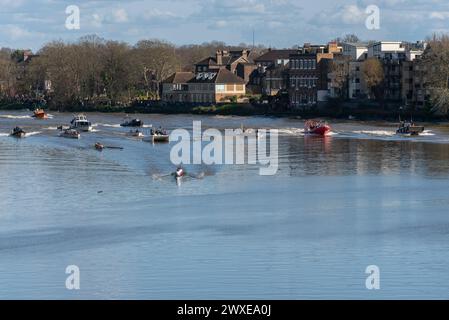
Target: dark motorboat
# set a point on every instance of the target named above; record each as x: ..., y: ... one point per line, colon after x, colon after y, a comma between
x: 409, y: 128
x: 132, y: 123
x: 18, y: 133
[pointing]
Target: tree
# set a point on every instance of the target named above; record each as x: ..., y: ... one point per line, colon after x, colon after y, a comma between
x: 8, y: 74
x: 351, y: 38
x: 116, y: 69
x: 435, y: 63
x: 340, y: 75
x: 374, y: 76
x: 156, y: 61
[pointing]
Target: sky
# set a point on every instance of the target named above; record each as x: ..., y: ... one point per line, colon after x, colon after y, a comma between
x: 29, y: 24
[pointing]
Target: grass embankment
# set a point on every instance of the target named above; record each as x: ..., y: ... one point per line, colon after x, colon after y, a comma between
x: 245, y: 109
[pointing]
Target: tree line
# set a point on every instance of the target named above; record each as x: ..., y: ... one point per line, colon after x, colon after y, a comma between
x: 93, y: 71
x: 96, y: 71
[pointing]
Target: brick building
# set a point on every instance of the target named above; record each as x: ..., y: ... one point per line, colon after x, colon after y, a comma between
x: 207, y: 87
x: 272, y: 68
x: 308, y: 74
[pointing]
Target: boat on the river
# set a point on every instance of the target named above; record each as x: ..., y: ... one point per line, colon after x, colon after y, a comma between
x: 80, y: 123
x: 135, y: 134
x: 18, y: 132
x: 409, y: 128
x: 99, y: 146
x: 40, y: 114
x: 70, y: 134
x: 179, y: 173
x: 158, y: 135
x: 132, y: 123
x: 314, y: 127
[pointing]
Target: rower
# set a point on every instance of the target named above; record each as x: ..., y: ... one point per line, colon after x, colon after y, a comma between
x: 179, y: 172
x: 99, y: 146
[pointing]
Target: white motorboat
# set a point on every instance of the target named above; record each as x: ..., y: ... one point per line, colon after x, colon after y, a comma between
x: 157, y: 138
x: 158, y: 135
x: 81, y: 123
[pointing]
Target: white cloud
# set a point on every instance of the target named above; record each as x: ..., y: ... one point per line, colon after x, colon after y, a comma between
x: 15, y: 32
x: 441, y: 15
x: 120, y: 15
x: 97, y: 20
x: 352, y: 14
x: 10, y: 3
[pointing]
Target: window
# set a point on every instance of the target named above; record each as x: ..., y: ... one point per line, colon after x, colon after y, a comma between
x: 220, y: 88
x: 301, y: 64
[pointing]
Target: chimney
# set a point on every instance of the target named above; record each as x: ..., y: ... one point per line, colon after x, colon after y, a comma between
x: 219, y: 57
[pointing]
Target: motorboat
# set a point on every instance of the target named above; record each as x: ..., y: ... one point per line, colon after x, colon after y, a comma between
x: 18, y: 132
x: 135, y: 133
x: 158, y: 135
x: 132, y: 123
x: 70, y: 134
x: 409, y: 128
x: 314, y: 127
x: 81, y: 123
x: 157, y: 138
x: 40, y: 114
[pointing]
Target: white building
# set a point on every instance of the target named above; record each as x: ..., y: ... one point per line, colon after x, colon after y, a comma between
x: 357, y: 51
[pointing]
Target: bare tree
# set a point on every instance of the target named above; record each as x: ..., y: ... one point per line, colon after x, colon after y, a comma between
x: 374, y: 76
x: 435, y: 62
x: 156, y: 60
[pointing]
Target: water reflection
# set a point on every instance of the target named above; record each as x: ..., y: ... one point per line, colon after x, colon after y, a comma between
x: 342, y: 156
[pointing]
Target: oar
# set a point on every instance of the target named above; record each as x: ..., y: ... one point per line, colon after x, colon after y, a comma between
x: 118, y: 148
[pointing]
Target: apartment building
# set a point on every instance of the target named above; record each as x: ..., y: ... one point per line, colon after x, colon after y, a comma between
x: 272, y: 68
x: 308, y: 74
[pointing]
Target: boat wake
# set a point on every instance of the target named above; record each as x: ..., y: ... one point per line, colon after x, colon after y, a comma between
x: 427, y: 133
x: 14, y: 117
x: 4, y: 134
x: 29, y: 134
x: 385, y: 133
x: 106, y: 125
x: 291, y: 131
x: 378, y: 133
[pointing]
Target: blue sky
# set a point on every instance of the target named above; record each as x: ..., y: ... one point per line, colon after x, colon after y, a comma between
x: 277, y: 23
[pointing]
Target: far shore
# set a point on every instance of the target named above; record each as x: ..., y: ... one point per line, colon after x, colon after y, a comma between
x: 236, y: 109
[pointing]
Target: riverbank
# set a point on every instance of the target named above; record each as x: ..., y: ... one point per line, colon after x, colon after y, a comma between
x: 248, y: 109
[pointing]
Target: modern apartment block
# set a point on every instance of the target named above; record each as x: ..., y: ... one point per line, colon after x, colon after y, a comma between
x: 398, y: 67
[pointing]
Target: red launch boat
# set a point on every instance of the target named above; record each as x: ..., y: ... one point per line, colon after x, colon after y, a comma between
x: 317, y: 128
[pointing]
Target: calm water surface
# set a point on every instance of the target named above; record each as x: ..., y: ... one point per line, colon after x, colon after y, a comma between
x: 360, y: 197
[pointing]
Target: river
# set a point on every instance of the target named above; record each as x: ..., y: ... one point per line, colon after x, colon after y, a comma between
x: 360, y: 197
